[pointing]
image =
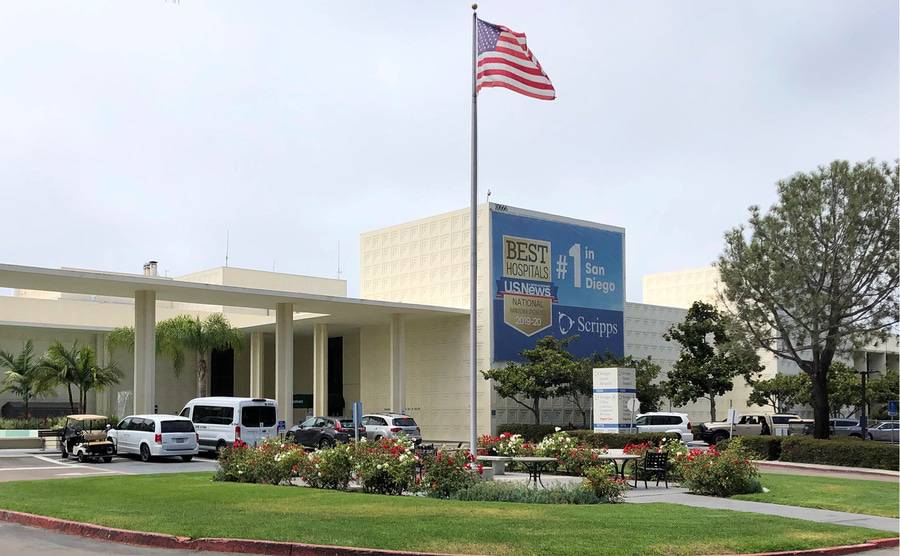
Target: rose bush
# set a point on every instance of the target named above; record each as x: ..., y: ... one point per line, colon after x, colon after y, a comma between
x: 387, y: 466
x: 329, y: 468
x: 720, y: 473
x: 449, y: 472
x: 605, y: 484
x: 272, y: 462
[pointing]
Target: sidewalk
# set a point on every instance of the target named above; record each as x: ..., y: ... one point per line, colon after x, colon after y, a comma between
x: 680, y: 496
x: 816, y: 470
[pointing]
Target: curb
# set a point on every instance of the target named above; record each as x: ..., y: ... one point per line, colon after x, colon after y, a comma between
x: 160, y: 540
x: 276, y: 548
x: 836, y: 550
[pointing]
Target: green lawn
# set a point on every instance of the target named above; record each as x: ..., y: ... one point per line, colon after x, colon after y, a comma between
x: 193, y: 505
x: 846, y: 495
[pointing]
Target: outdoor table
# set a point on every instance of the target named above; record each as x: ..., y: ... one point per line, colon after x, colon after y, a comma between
x: 614, y: 458
x: 535, y: 466
x: 498, y: 463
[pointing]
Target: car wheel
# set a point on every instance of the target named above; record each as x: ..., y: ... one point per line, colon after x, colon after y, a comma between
x: 186, y: 458
x: 63, y: 453
x: 81, y: 458
x: 719, y: 437
x: 107, y: 459
x: 871, y: 437
x: 145, y: 453
x: 326, y: 442
x: 378, y: 437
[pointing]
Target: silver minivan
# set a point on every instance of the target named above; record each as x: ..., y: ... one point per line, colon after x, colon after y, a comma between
x: 220, y: 420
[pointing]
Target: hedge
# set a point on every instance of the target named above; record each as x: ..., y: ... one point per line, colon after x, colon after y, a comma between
x: 850, y: 453
x: 762, y: 447
x: 536, y: 433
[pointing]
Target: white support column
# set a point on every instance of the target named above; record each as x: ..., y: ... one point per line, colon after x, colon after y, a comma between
x: 257, y: 360
x: 320, y: 369
x: 284, y: 362
x: 144, y: 351
x: 101, y: 403
x: 398, y: 365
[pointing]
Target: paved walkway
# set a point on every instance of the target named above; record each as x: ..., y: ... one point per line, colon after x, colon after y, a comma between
x: 834, y: 471
x: 680, y: 496
x: 677, y: 495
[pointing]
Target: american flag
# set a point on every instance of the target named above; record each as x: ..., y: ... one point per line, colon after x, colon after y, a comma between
x: 504, y: 60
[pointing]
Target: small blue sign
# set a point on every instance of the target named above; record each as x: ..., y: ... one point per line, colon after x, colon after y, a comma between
x: 892, y: 408
x: 281, y: 427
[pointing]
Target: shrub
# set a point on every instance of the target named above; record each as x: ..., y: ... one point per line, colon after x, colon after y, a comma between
x: 501, y: 491
x: 506, y: 444
x: 272, y: 462
x: 851, y: 453
x: 531, y: 433
x: 605, y: 484
x: 536, y: 433
x: 34, y: 423
x: 449, y: 472
x: 556, y: 444
x: 720, y: 473
x: 763, y: 447
x: 329, y: 467
x: 618, y: 441
x: 581, y: 458
x: 387, y: 466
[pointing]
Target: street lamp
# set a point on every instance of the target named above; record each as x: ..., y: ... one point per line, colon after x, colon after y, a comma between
x: 863, y: 418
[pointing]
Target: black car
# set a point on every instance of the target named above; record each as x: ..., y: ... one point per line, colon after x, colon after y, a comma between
x: 321, y: 432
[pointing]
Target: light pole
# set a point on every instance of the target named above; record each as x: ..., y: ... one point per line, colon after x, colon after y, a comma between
x: 863, y: 418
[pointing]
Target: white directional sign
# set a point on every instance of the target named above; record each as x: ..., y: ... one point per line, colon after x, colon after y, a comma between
x: 614, y: 388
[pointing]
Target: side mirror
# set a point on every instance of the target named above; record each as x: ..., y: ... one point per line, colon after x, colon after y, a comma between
x: 109, y: 427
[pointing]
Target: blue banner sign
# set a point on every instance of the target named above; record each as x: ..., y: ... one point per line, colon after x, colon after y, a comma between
x: 554, y: 276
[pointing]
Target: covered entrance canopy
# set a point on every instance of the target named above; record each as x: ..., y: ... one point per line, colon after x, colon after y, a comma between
x: 291, y: 311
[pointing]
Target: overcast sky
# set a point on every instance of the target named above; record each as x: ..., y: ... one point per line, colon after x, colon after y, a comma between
x: 145, y: 130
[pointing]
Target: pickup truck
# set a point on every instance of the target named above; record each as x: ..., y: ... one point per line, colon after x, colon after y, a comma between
x: 751, y: 424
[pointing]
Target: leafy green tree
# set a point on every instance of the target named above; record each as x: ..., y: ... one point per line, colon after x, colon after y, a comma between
x: 77, y: 366
x: 546, y: 370
x: 577, y: 384
x: 818, y: 273
x: 25, y: 375
x: 882, y: 389
x: 184, y: 333
x: 712, y: 355
x: 781, y: 392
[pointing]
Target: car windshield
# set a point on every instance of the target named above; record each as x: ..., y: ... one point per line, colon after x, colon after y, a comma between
x: 177, y: 426
x: 88, y: 424
x: 258, y: 416
x: 404, y: 422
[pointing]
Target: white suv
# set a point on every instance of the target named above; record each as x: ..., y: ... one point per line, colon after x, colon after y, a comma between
x: 388, y: 425
x: 677, y: 423
x: 155, y: 435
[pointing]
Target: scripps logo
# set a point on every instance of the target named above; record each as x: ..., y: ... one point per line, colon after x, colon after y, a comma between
x: 581, y: 325
x: 565, y: 323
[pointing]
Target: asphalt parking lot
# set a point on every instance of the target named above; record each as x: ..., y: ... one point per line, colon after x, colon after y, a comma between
x: 22, y: 465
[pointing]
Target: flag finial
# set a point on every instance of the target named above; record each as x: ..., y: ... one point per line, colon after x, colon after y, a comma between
x: 474, y: 6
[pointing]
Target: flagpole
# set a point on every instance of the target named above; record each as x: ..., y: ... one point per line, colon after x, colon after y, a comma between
x: 473, y: 261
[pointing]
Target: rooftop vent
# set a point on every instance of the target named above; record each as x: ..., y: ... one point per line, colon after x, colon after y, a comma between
x: 150, y: 268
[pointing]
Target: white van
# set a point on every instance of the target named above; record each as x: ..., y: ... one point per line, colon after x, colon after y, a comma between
x: 219, y: 421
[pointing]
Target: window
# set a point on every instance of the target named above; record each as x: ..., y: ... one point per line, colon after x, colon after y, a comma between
x: 177, y: 426
x: 404, y: 422
x: 347, y: 423
x: 186, y: 412
x: 372, y: 421
x: 213, y: 415
x: 308, y: 423
x: 123, y: 424
x: 322, y: 423
x: 642, y: 420
x: 258, y: 416
x: 673, y: 420
x: 781, y: 419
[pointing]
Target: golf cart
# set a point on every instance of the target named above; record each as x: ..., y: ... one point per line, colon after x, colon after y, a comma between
x: 84, y: 436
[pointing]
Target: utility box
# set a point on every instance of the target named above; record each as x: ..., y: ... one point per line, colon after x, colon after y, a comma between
x: 613, y: 388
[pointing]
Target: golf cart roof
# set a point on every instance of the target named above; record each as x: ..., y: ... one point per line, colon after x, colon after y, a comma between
x: 86, y: 417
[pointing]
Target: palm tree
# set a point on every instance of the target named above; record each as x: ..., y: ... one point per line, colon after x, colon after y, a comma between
x: 183, y: 333
x: 25, y: 375
x: 77, y: 366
